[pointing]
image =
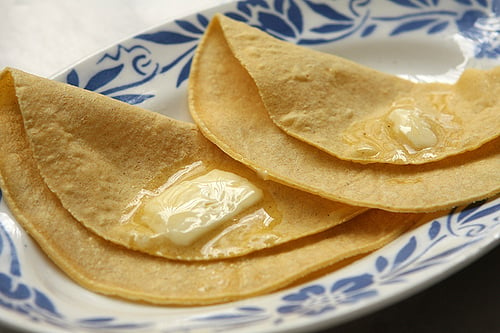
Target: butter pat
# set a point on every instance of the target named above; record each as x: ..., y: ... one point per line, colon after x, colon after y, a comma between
x: 186, y: 211
x: 410, y: 125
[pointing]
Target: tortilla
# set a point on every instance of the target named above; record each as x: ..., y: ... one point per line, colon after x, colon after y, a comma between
x: 99, y: 156
x: 225, y: 103
x: 347, y: 109
x: 107, y: 268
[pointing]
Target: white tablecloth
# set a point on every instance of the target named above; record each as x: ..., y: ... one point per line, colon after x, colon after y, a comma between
x: 43, y: 37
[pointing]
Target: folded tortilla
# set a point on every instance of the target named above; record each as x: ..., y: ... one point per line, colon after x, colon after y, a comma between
x: 222, y: 93
x: 111, y: 269
x: 359, y: 114
x: 99, y: 155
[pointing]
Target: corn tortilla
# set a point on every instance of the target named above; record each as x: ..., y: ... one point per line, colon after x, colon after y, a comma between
x: 225, y: 103
x: 344, y: 108
x: 96, y: 154
x: 111, y: 269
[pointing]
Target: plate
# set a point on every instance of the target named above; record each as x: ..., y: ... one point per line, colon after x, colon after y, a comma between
x: 421, y: 40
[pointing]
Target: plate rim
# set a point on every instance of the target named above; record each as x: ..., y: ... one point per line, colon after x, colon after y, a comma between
x: 326, y: 322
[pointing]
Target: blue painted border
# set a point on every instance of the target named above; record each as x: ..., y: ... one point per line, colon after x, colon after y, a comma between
x: 334, y: 21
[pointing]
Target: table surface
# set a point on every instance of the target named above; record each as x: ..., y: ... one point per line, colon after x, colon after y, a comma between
x: 42, y: 37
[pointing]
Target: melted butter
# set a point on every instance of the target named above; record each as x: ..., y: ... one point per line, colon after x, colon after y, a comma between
x: 404, y: 133
x: 185, y: 171
x: 186, y: 211
x: 409, y: 126
x: 246, y: 231
x: 368, y: 138
x: 250, y: 229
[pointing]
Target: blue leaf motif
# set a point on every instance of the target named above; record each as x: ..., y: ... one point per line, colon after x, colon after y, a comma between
x: 203, y: 20
x: 244, y: 8
x: 438, y: 27
x: 123, y: 326
x: 353, y: 283
x: 184, y: 74
x: 289, y: 308
x: 276, y: 24
x: 251, y: 309
x: 368, y: 30
x: 224, y: 316
x: 43, y: 302
x: 311, y: 41
x: 107, y: 323
x: 295, y: 16
x: 406, y: 251
x: 331, y: 28
x: 96, y: 320
x: 405, y: 3
x: 434, y: 229
x: 258, y: 3
x: 327, y: 11
x: 188, y: 26
x: 236, y: 16
x: 279, y: 6
x: 6, y: 288
x: 483, y: 3
x: 72, y: 78
x: 166, y: 38
x: 103, y: 77
x: 411, y: 26
x: 133, y: 98
x: 381, y: 264
x: 305, y: 293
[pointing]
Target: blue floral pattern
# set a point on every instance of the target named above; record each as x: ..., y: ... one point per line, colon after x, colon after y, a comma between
x: 124, y: 72
x: 478, y: 21
x: 416, y: 255
x: 14, y: 294
x: 18, y: 296
x: 417, y: 252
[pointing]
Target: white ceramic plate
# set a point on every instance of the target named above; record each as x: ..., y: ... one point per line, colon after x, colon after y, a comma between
x: 423, y: 40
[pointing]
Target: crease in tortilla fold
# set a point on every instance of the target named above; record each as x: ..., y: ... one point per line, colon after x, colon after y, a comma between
x: 224, y: 101
x: 323, y: 99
